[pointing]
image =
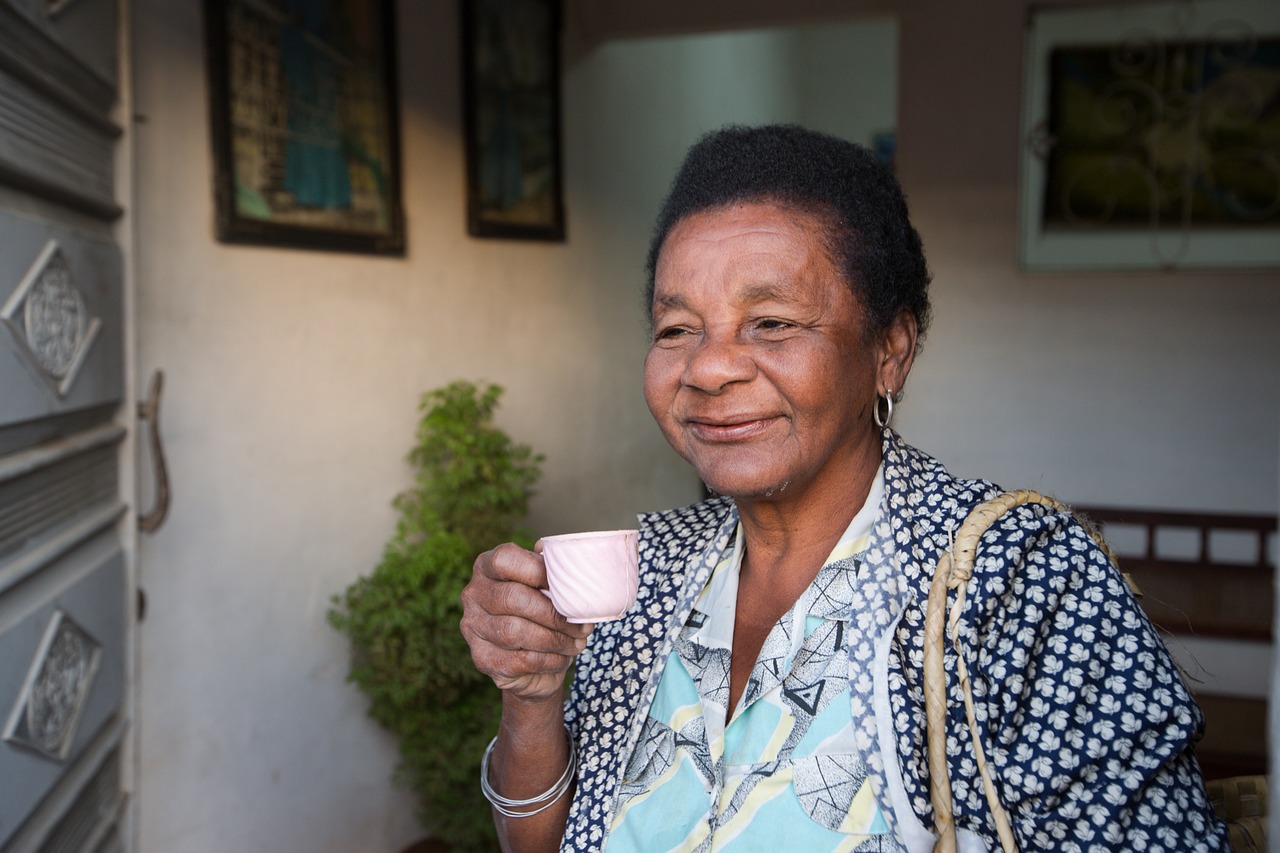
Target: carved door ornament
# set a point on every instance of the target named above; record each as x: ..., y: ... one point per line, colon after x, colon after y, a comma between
x: 45, y: 717
x: 48, y: 313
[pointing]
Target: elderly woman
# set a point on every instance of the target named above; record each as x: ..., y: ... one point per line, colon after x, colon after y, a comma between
x: 766, y: 691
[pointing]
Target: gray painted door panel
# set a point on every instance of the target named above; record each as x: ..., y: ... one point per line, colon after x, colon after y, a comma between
x: 84, y: 273
x: 64, y: 583
x: 85, y: 582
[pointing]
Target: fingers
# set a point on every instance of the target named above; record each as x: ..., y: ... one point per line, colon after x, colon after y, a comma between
x: 511, y: 581
x: 528, y: 623
x: 505, y: 582
x: 516, y: 636
x: 508, y: 667
x: 510, y: 562
x: 519, y: 655
x: 519, y: 634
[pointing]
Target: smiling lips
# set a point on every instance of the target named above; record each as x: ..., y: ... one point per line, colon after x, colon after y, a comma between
x: 723, y: 430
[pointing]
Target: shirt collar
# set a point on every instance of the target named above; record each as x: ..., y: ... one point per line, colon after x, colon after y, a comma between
x: 828, y: 597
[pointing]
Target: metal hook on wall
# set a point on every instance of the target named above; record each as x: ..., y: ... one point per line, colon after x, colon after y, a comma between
x: 149, y: 411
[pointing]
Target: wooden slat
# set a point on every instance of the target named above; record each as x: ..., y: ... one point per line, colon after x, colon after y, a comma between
x: 1199, y: 595
x: 1203, y: 522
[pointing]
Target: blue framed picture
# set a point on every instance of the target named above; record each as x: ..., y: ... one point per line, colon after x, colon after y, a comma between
x: 306, y: 137
x: 511, y: 78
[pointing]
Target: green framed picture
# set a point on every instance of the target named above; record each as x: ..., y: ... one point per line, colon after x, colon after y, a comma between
x: 511, y: 79
x: 303, y: 110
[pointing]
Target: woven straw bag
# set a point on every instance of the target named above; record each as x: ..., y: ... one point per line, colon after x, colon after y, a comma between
x: 1241, y: 803
x: 955, y: 567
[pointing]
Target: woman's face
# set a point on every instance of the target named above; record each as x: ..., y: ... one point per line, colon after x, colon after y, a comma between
x: 760, y: 373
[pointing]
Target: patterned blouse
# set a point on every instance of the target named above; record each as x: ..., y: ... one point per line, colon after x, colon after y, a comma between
x: 783, y: 772
x: 1085, y: 721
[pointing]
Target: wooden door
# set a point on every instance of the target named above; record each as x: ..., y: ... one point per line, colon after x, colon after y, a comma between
x: 64, y: 581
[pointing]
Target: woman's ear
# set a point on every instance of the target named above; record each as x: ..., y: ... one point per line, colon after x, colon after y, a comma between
x: 897, y: 353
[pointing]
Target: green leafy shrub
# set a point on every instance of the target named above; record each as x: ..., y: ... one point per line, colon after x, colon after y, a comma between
x: 471, y: 492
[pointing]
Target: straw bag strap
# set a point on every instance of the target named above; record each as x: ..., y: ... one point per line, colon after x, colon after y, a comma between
x: 955, y: 567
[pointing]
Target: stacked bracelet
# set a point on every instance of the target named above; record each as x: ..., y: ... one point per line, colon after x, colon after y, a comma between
x: 505, y: 806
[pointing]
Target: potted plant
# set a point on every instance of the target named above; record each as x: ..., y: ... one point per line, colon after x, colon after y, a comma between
x: 471, y: 491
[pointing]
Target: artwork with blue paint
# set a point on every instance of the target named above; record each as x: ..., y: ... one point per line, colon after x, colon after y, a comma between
x: 512, y: 83
x: 305, y: 123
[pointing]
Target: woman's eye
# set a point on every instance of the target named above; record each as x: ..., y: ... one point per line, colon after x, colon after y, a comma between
x: 670, y: 333
x: 771, y: 324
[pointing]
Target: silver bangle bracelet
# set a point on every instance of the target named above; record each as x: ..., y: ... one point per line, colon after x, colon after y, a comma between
x: 507, y: 806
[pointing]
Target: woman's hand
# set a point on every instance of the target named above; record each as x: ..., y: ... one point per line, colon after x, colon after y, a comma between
x: 516, y: 636
x: 519, y: 640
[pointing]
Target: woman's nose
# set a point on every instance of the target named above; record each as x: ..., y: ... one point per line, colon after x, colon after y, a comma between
x: 719, y: 360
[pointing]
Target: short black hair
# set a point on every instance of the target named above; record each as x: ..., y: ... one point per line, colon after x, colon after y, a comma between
x: 869, y: 234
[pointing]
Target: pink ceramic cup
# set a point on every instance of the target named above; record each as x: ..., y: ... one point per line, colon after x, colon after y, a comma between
x: 592, y: 576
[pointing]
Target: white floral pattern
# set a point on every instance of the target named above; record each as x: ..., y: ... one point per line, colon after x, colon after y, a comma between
x: 1084, y: 718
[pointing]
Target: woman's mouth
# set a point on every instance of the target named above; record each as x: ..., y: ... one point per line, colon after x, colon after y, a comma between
x: 720, y: 430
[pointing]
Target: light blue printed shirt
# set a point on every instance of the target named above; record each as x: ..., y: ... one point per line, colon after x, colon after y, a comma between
x: 784, y: 772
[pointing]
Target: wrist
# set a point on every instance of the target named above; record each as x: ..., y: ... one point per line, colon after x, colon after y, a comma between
x: 531, y: 723
x: 527, y: 806
x: 533, y: 708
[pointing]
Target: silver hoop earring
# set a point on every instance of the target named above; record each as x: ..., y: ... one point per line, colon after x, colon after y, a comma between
x: 884, y: 422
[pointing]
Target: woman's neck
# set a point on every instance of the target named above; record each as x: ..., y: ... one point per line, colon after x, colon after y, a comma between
x: 785, y: 546
x: 788, y: 536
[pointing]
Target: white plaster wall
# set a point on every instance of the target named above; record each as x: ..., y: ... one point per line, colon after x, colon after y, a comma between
x: 847, y: 77
x: 293, y: 377
x: 291, y: 399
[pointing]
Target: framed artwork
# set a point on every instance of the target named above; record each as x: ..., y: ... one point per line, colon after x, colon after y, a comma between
x: 511, y: 80
x: 1152, y: 137
x: 306, y: 136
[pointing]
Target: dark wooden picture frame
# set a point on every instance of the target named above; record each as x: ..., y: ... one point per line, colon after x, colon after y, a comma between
x: 511, y: 83
x: 304, y: 116
x: 1122, y: 157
